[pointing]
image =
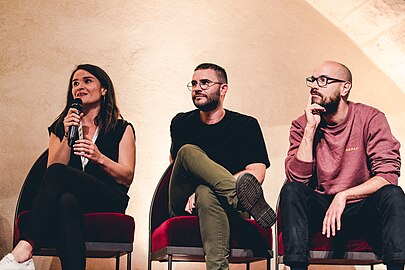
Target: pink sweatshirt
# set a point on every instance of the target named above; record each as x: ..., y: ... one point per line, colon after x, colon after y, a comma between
x: 347, y: 154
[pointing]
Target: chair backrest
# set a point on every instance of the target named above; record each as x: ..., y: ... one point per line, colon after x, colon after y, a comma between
x: 159, y: 208
x: 31, y: 184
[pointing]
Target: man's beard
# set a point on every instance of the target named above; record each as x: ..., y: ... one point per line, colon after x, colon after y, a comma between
x: 330, y: 104
x: 210, y: 104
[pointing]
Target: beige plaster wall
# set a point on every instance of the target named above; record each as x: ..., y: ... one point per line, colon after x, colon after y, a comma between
x: 149, y: 48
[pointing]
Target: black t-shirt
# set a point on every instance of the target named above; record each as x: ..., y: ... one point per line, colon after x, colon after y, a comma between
x: 108, y: 144
x: 234, y: 142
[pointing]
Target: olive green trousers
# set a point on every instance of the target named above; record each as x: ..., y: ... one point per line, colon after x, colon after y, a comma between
x: 215, y: 197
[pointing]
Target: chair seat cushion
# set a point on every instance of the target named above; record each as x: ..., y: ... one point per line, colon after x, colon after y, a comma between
x: 185, y: 231
x: 98, y: 227
x: 320, y: 242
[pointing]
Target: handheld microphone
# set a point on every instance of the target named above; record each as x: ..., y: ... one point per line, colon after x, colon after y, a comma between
x: 77, y: 104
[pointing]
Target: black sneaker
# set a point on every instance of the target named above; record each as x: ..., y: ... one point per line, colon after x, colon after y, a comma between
x: 251, y: 198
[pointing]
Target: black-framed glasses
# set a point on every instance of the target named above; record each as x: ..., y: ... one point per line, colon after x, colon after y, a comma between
x: 204, y: 84
x: 322, y: 81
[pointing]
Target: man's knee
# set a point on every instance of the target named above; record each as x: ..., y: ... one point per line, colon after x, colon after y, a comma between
x: 392, y: 190
x: 393, y: 195
x: 290, y: 191
x: 186, y: 150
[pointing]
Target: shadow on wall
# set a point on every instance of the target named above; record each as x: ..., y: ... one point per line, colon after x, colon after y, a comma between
x: 5, y: 229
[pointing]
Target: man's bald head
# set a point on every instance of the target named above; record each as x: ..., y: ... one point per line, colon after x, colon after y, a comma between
x: 336, y: 70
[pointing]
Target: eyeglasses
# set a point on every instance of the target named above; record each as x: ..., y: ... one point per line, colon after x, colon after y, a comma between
x: 322, y: 81
x: 204, y: 84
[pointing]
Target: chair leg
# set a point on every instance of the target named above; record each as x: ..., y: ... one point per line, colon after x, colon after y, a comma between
x: 247, y: 265
x: 117, y: 262
x: 129, y: 255
x: 169, y: 263
x: 149, y: 263
x: 268, y: 264
x: 372, y: 267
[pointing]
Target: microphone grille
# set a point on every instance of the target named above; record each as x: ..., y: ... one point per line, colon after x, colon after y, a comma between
x: 77, y: 104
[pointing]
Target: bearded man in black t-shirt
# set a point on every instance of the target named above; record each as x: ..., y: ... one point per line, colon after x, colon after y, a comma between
x: 220, y: 161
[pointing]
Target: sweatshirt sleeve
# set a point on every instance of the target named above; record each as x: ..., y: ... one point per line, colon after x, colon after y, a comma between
x: 295, y: 169
x: 383, y: 150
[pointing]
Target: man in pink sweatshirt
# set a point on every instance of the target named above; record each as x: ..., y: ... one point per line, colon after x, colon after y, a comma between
x: 342, y: 167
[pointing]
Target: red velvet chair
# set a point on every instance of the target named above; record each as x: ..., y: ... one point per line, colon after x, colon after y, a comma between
x: 178, y: 238
x: 107, y: 235
x: 324, y: 251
